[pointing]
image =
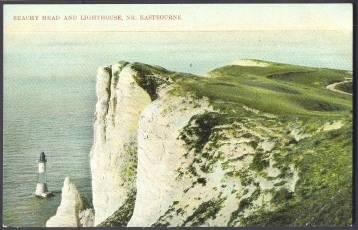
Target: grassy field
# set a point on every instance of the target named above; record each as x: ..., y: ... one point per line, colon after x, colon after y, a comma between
x: 278, y: 89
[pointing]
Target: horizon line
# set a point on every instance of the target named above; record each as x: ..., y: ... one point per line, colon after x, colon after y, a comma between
x: 154, y: 31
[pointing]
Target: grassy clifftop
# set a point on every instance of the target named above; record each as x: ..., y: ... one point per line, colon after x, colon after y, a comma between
x: 277, y: 143
x: 276, y: 88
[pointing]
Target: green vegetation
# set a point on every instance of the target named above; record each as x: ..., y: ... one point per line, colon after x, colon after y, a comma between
x: 279, y: 88
x: 108, y: 70
x: 162, y: 219
x: 123, y: 64
x: 259, y: 162
x: 281, y: 196
x: 206, y: 210
x: 202, y: 129
x: 323, y: 193
x: 298, y: 96
x: 244, y: 204
x: 202, y: 181
x: 116, y: 74
x: 150, y: 78
x: 203, y: 212
x: 129, y: 173
x: 122, y: 216
x: 345, y: 87
x: 257, y: 104
x: 86, y: 202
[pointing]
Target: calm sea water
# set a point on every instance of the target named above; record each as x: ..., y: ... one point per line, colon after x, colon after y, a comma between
x: 49, y: 94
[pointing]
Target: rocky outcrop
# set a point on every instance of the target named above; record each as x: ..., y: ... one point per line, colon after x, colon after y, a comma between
x: 72, y: 212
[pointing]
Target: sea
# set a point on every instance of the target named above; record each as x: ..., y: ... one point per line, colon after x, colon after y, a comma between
x: 49, y: 94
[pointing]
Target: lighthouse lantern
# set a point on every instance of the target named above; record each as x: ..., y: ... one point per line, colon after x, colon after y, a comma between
x: 42, y: 157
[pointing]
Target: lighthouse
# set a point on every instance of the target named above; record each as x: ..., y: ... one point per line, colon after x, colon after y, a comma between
x: 41, y: 188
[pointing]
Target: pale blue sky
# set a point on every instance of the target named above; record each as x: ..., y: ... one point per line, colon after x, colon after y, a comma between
x: 194, y: 17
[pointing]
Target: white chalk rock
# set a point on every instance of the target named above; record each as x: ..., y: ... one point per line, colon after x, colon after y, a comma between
x: 248, y: 62
x: 113, y: 156
x: 67, y: 214
x: 159, y: 155
x: 86, y: 218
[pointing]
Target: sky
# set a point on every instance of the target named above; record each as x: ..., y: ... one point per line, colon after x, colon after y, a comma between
x: 194, y: 17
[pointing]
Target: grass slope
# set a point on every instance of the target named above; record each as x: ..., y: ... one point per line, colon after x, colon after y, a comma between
x: 278, y: 88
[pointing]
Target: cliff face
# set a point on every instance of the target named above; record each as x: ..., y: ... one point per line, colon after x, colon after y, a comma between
x: 196, y: 170
x: 113, y: 156
x: 172, y: 149
x: 160, y: 155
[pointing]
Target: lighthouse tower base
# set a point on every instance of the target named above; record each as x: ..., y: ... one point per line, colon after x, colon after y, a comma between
x: 41, y: 191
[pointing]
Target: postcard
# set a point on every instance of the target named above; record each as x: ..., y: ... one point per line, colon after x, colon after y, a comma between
x: 185, y: 115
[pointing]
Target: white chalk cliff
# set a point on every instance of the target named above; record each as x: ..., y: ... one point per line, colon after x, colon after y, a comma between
x: 113, y: 156
x: 170, y: 178
x: 159, y: 155
x: 166, y: 153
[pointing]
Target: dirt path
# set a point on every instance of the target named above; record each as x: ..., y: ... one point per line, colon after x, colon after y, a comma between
x: 332, y: 88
